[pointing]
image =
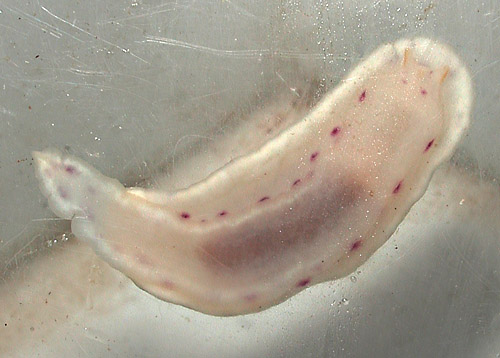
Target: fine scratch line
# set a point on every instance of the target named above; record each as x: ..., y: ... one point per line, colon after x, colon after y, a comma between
x: 54, y: 31
x: 235, y: 53
x: 92, y: 35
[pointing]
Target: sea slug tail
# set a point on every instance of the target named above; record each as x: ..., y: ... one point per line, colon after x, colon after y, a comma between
x: 75, y: 191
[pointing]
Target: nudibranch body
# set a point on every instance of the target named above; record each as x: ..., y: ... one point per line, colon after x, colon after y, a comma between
x: 311, y: 204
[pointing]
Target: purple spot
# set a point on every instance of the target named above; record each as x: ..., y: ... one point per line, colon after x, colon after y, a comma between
x: 167, y: 284
x: 263, y: 199
x: 363, y: 96
x: 296, y: 182
x: 429, y: 145
x: 222, y: 213
x: 250, y: 297
x: 404, y: 81
x: 185, y: 215
x: 335, y: 131
x: 203, y: 220
x: 303, y: 282
x: 356, y: 245
x: 423, y: 91
x: 397, y: 188
x: 62, y: 192
x: 71, y: 169
x: 313, y: 156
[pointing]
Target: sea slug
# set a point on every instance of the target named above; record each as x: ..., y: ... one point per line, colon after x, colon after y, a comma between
x: 311, y: 204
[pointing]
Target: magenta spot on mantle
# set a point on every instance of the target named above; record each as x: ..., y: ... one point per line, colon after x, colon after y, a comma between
x: 263, y: 199
x: 296, y: 182
x: 363, y: 96
x: 303, y: 282
x: 251, y: 297
x: 423, y: 91
x: 335, y: 131
x: 404, y: 81
x: 398, y: 187
x: 71, y: 169
x: 185, y: 215
x: 167, y: 284
x: 222, y: 213
x: 314, y: 156
x: 429, y: 145
x: 356, y: 245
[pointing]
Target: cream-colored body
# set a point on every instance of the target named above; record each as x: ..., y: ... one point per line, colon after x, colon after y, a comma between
x: 311, y: 204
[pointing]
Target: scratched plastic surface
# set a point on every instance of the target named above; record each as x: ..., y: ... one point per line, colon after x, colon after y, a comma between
x: 138, y: 89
